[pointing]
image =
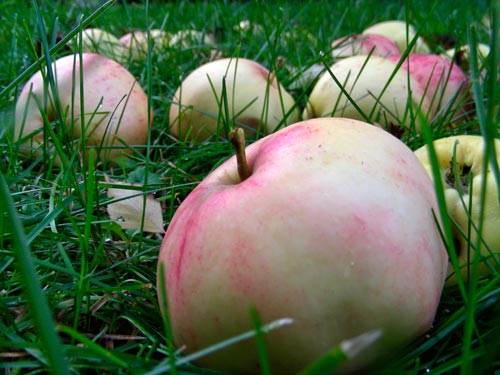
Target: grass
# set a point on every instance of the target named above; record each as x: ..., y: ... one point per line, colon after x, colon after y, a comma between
x: 65, y: 268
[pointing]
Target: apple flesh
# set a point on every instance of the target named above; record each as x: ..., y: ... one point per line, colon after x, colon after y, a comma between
x: 401, y: 33
x: 255, y: 100
x: 360, y: 44
x: 363, y: 78
x: 333, y: 228
x: 464, y: 154
x: 115, y: 107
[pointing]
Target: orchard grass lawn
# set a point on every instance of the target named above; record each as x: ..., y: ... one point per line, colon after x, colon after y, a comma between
x: 78, y: 292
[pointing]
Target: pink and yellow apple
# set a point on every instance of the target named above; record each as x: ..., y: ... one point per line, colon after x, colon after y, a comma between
x: 331, y: 226
x: 108, y: 101
x: 401, y: 33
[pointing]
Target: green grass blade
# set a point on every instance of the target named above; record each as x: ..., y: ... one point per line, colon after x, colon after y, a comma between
x: 36, y: 300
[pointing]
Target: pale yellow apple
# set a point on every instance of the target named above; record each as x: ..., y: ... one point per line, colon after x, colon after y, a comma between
x: 253, y: 99
x: 102, y: 42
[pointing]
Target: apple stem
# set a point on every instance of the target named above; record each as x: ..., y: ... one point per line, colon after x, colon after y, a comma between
x: 279, y: 62
x: 237, y: 139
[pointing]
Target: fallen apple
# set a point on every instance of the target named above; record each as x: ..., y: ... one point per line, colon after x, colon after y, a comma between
x: 401, y: 33
x: 189, y: 38
x: 364, y: 44
x: 461, y: 161
x: 136, y: 42
x: 461, y: 57
x: 363, y: 78
x: 328, y: 222
x: 241, y: 88
x: 114, y: 114
x: 442, y: 86
x: 104, y: 43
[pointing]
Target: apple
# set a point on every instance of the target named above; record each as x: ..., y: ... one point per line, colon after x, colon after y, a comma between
x: 255, y: 100
x: 464, y: 154
x: 364, y: 44
x: 115, y: 107
x: 363, y: 77
x: 328, y: 222
x: 96, y: 40
x: 442, y: 86
x: 189, y: 38
x: 400, y: 32
x: 136, y: 42
x: 461, y: 56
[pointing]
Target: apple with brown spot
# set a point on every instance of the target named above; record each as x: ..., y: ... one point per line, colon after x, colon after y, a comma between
x: 328, y: 222
x: 244, y: 88
x: 114, y: 112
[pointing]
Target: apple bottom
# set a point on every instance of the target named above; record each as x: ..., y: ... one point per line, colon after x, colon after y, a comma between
x: 331, y: 295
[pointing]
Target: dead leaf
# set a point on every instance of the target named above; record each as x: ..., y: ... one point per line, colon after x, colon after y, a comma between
x: 130, y: 208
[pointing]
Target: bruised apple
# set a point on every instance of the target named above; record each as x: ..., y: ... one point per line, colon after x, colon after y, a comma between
x: 241, y: 88
x: 328, y: 222
x: 461, y: 162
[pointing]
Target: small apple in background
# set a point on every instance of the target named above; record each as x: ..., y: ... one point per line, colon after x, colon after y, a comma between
x: 442, y: 86
x: 363, y: 78
x: 115, y: 107
x: 136, y: 42
x: 400, y: 32
x: 104, y: 43
x: 191, y: 38
x: 255, y: 100
x: 329, y: 223
x: 465, y: 155
x: 361, y: 44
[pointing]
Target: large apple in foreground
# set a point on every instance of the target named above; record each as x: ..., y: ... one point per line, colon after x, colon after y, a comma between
x: 114, y: 111
x: 241, y: 88
x: 331, y: 225
x: 464, y: 154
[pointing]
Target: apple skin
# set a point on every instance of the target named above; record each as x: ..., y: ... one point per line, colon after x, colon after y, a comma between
x: 363, y: 77
x: 255, y: 101
x: 465, y: 208
x: 360, y: 44
x: 442, y: 85
x: 333, y: 229
x: 115, y: 105
x: 399, y: 32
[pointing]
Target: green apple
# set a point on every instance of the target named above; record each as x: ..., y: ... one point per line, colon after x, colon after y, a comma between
x: 464, y: 154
